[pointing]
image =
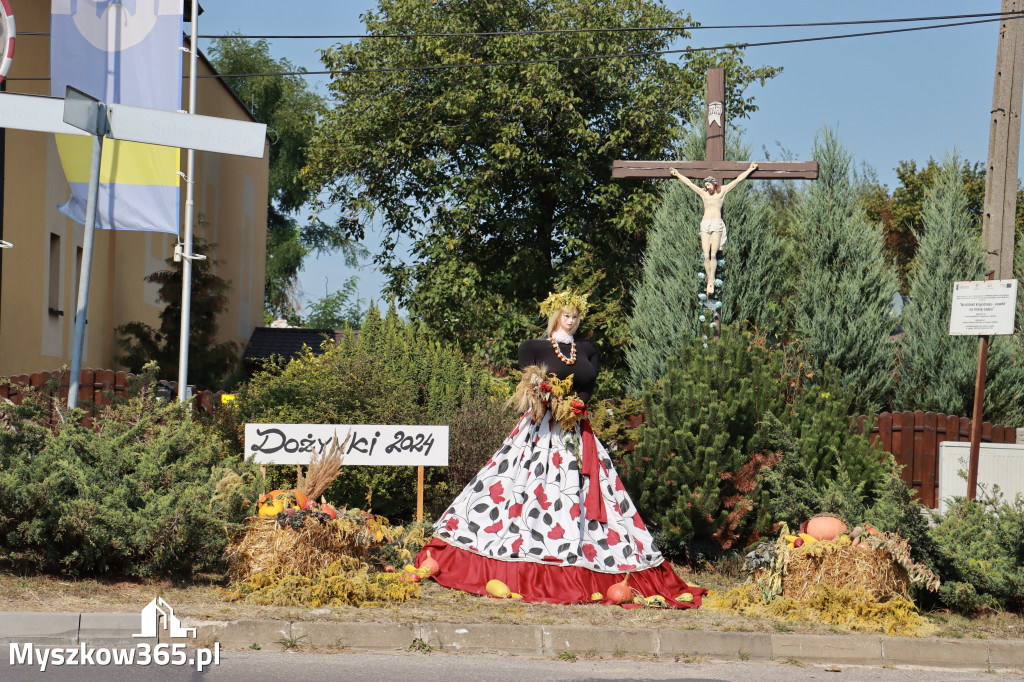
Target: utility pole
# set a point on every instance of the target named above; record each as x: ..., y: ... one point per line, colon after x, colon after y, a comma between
x: 1004, y: 143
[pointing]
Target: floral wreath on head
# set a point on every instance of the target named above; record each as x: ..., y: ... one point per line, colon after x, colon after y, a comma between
x: 568, y: 299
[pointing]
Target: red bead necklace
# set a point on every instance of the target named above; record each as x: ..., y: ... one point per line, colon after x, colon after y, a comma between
x: 570, y: 360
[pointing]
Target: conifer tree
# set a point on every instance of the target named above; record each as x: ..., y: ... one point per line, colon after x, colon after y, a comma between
x: 665, y: 314
x: 841, y: 308
x: 937, y: 371
x: 703, y: 422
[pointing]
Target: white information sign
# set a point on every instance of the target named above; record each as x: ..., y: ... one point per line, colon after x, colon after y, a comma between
x: 372, y: 444
x: 983, y: 308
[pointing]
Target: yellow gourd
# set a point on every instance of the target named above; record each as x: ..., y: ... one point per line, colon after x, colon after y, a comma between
x: 498, y: 589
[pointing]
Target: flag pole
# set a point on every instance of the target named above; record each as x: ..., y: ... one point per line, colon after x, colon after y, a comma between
x: 186, y: 247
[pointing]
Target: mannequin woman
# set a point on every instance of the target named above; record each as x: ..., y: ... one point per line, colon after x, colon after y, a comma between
x: 548, y: 515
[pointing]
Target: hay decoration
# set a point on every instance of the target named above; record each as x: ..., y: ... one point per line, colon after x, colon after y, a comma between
x: 346, y: 582
x: 324, y: 467
x: 528, y: 396
x: 268, y: 548
x: 850, y: 607
x: 836, y: 564
x: 333, y: 563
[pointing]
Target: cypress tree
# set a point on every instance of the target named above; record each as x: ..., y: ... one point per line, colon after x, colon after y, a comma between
x: 937, y: 371
x: 846, y: 283
x: 701, y: 422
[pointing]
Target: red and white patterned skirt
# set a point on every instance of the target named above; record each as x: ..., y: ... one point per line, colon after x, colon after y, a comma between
x: 524, y: 520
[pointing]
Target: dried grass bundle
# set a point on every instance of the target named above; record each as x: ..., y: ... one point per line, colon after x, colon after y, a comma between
x: 324, y: 467
x: 270, y: 549
x: 528, y: 396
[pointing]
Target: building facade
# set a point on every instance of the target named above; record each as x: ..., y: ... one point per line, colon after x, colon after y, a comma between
x: 39, y: 276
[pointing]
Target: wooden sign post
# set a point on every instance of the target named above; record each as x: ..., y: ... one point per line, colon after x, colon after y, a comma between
x: 982, y: 309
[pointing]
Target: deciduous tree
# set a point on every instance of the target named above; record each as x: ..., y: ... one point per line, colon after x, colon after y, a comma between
x: 496, y: 172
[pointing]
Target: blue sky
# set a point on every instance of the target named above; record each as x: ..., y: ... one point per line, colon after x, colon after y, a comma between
x: 891, y: 97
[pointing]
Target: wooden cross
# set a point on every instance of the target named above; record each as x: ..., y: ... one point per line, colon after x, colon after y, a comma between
x: 715, y: 164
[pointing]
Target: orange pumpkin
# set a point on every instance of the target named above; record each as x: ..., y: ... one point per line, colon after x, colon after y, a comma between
x: 300, y: 497
x: 271, y: 495
x: 619, y: 592
x: 431, y: 565
x: 826, y: 527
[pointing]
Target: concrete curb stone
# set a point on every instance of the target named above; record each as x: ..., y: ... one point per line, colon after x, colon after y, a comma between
x: 40, y: 628
x: 111, y: 629
x: 607, y: 641
x: 941, y: 653
x: 340, y: 636
x: 106, y: 629
x: 482, y: 638
x: 856, y: 650
x: 731, y: 645
x: 1006, y: 654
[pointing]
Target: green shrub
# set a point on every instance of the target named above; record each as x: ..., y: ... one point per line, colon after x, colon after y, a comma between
x: 703, y: 428
x: 980, y: 546
x: 737, y: 439
x: 145, y: 492
x: 390, y: 373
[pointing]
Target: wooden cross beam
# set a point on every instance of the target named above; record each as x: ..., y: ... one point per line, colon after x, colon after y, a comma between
x: 715, y: 164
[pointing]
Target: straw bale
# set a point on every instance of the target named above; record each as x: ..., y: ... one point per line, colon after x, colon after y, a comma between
x: 270, y: 549
x: 838, y: 565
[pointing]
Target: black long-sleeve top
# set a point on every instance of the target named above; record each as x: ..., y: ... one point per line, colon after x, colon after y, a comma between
x: 584, y: 370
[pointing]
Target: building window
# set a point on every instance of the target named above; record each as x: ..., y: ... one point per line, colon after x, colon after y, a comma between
x: 53, y: 302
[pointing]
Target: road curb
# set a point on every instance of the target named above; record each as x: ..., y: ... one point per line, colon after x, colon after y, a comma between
x: 54, y: 629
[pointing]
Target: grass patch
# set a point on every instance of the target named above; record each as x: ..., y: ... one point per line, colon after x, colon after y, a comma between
x: 198, y: 600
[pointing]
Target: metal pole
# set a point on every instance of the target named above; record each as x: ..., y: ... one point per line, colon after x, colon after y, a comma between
x: 186, y: 259
x: 83, y: 277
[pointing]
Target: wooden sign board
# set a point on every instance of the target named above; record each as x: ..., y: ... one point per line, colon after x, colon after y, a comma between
x: 370, y: 444
x: 983, y: 308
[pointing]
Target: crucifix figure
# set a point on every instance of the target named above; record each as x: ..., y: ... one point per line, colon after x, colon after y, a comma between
x: 714, y: 170
x: 712, y: 226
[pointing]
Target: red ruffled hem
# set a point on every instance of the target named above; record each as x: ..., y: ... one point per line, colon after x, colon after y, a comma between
x: 548, y: 583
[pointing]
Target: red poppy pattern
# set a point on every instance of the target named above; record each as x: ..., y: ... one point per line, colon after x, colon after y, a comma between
x: 526, y: 504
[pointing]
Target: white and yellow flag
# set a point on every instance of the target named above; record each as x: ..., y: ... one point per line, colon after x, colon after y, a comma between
x: 120, y: 52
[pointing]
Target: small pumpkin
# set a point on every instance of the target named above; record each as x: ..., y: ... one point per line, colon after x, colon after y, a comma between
x: 270, y: 496
x: 300, y: 498
x: 826, y: 527
x: 431, y: 565
x: 620, y: 592
x: 498, y: 589
x: 271, y: 507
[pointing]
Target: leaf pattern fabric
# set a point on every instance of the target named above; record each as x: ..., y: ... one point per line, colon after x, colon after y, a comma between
x: 526, y: 504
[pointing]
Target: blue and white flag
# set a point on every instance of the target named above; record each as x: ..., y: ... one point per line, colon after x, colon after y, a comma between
x: 120, y: 52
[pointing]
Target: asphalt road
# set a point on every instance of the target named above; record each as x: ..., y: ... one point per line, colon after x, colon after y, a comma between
x: 366, y: 667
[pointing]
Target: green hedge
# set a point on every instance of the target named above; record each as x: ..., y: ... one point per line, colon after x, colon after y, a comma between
x: 145, y: 492
x: 390, y: 372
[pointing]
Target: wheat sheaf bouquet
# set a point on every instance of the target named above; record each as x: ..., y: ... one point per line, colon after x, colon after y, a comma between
x: 539, y: 392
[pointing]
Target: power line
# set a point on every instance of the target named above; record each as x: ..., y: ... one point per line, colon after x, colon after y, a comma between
x: 556, y: 60
x: 673, y: 29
